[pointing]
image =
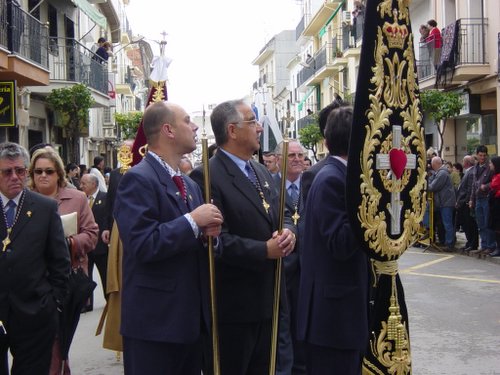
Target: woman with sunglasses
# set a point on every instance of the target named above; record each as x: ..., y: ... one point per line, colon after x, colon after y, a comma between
x: 48, y: 178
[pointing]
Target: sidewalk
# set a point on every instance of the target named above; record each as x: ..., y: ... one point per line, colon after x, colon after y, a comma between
x: 460, y: 242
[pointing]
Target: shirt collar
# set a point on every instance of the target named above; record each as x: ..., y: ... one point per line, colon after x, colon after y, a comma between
x: 171, y: 171
x: 16, y: 199
x: 239, y: 162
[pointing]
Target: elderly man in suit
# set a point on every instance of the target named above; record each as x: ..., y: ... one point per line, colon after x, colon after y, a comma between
x: 244, y: 191
x: 162, y: 221
x: 333, y: 294
x: 464, y: 211
x: 34, y: 268
x: 295, y: 167
x: 97, y: 202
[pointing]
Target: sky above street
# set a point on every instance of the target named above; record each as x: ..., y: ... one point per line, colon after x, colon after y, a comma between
x: 211, y: 43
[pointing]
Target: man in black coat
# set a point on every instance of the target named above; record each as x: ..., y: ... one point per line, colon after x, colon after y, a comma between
x: 34, y: 268
x: 97, y: 201
x: 245, y: 193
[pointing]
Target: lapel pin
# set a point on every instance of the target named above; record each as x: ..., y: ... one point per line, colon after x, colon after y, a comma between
x: 98, y: 202
x: 266, y: 185
x: 28, y: 213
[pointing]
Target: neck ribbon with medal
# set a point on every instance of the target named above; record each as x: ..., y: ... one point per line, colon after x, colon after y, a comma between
x: 259, y: 190
x: 6, y: 241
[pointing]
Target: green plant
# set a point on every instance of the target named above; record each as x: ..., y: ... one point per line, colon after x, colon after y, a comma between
x: 73, y: 103
x: 128, y: 123
x: 310, y: 135
x: 440, y: 106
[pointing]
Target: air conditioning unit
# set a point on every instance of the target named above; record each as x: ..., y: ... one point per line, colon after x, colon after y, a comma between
x: 346, y: 17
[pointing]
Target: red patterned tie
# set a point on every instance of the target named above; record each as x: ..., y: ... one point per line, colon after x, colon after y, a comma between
x: 180, y: 185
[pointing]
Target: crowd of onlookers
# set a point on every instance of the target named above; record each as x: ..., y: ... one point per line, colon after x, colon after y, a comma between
x: 466, y: 198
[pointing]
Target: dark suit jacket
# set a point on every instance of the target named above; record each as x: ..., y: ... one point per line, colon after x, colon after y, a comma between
x: 35, y: 268
x: 165, y: 268
x: 465, y: 188
x: 333, y: 295
x: 114, y: 179
x: 244, y: 276
x: 308, y: 178
x: 101, y: 216
x: 291, y: 262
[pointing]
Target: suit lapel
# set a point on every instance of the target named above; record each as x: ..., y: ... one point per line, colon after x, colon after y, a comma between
x: 243, y: 184
x: 27, y: 211
x: 166, y: 180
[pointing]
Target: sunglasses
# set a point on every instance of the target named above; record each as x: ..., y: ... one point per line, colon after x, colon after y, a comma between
x: 19, y: 171
x: 48, y: 171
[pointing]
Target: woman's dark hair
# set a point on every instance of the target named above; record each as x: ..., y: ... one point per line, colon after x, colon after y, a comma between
x: 496, y: 164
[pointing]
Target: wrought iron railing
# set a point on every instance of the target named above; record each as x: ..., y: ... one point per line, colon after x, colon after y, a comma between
x: 304, y: 121
x: 3, y: 23
x: 26, y: 36
x: 72, y: 61
x: 471, y: 45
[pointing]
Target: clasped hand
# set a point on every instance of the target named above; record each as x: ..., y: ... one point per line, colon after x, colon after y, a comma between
x: 280, y: 245
x: 208, y: 218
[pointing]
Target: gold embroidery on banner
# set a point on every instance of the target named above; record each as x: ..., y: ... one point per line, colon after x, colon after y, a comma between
x: 385, y: 8
x: 391, y: 91
x: 159, y: 94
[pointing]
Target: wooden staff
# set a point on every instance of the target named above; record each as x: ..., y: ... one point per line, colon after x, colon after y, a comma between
x: 277, y: 276
x: 211, y: 264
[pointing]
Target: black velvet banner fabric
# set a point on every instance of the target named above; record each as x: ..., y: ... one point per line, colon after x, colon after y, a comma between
x: 386, y: 173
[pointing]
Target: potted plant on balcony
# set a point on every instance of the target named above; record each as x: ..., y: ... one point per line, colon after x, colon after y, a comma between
x: 73, y: 103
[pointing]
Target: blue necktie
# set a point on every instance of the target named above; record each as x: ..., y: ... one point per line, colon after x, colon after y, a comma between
x: 294, y: 193
x: 250, y: 173
x: 10, y: 213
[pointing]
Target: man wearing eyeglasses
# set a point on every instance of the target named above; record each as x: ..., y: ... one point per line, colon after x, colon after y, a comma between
x: 295, y: 167
x: 34, y: 268
x: 245, y: 192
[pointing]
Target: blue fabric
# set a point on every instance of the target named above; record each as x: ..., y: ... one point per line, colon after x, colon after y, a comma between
x: 294, y: 193
x: 447, y: 219
x: 10, y: 213
x: 482, y: 214
x: 250, y: 173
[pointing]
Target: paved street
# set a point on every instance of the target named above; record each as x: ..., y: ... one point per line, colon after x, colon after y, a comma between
x: 454, y: 307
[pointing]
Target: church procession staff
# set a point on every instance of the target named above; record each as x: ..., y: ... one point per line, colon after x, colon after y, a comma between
x: 245, y: 268
x: 162, y: 220
x: 34, y: 268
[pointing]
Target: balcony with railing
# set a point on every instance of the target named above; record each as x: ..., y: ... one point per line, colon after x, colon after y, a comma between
x: 471, y: 59
x: 304, y: 121
x: 326, y: 61
x: 70, y: 61
x: 299, y: 29
x: 24, y: 42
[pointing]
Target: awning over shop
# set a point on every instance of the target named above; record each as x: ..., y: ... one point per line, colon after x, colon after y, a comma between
x: 92, y: 12
x: 301, y: 104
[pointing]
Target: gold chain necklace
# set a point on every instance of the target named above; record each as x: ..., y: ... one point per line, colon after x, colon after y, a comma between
x: 6, y: 241
x: 259, y: 190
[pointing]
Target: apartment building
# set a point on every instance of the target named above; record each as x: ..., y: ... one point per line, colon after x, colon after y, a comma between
x: 328, y: 42
x: 50, y: 44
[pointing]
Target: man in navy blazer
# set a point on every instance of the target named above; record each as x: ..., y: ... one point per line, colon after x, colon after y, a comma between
x: 162, y: 221
x: 333, y: 294
x: 244, y: 190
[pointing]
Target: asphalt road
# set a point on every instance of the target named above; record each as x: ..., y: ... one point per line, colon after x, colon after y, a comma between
x: 454, y: 313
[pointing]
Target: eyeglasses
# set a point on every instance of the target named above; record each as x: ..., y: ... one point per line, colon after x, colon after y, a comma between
x: 19, y: 171
x: 253, y: 123
x: 299, y: 155
x: 48, y: 171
